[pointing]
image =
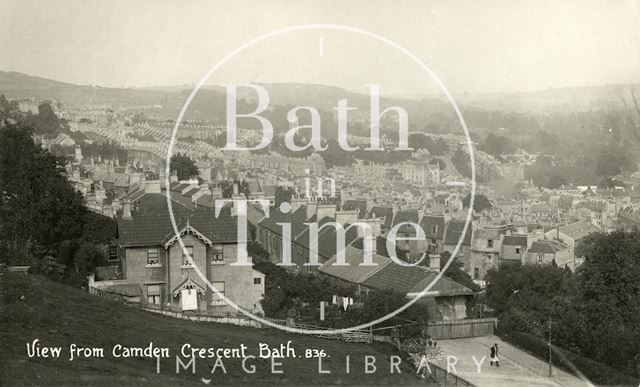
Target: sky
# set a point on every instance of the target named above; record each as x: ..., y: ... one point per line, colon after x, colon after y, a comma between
x: 471, y: 46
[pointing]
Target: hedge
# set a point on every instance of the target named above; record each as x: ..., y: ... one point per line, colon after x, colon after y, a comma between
x: 596, y: 372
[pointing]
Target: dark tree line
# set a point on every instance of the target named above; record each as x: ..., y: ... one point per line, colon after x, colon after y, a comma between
x: 184, y: 167
x: 593, y: 312
x: 40, y: 210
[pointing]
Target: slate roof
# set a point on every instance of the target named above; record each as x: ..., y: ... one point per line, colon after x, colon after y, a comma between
x: 406, y: 216
x: 488, y: 233
x: 269, y: 190
x: 173, y: 186
x: 428, y: 222
x: 579, y: 230
x: 191, y: 192
x: 514, y: 240
x: 382, y: 212
x: 381, y: 245
x: 444, y: 286
x: 254, y: 186
x: 151, y: 224
x: 156, y: 202
x: 541, y: 207
x: 353, y: 272
x: 356, y: 204
x: 207, y: 201
x: 454, y: 232
x: 178, y: 187
x: 546, y: 247
x: 412, y: 279
x: 327, y: 238
x: 297, y: 219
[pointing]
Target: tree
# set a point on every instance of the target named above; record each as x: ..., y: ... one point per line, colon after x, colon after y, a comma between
x: 527, y: 297
x: 87, y: 258
x: 183, y: 166
x: 455, y: 271
x: 441, y: 164
x: 480, y: 202
x: 39, y: 208
x: 8, y: 109
x: 45, y: 122
x: 565, y: 202
x: 227, y: 188
x: 498, y: 145
x: 283, y: 194
x: 37, y: 205
x: 608, y: 294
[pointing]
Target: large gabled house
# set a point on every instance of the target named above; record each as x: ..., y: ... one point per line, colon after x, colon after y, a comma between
x: 152, y: 256
x: 572, y: 235
x: 547, y: 251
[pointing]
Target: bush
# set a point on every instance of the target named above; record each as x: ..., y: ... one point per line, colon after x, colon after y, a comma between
x: 596, y: 372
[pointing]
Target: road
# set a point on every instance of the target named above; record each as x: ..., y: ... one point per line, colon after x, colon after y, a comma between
x: 517, y: 368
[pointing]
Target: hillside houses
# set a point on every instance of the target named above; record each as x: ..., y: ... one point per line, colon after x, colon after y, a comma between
x: 484, y: 245
x: 485, y: 251
x: 572, y: 235
x: 152, y: 258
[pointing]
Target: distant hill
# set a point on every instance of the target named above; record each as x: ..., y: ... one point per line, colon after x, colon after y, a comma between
x: 566, y: 99
x: 18, y: 85
x: 58, y: 315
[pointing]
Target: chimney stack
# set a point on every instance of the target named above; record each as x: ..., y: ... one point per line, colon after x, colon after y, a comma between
x: 325, y: 210
x: 346, y: 216
x: 126, y: 209
x: 312, y: 207
x: 370, y: 244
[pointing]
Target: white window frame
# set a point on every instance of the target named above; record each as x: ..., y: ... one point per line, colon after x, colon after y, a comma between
x: 217, y: 259
x: 185, y: 259
x: 216, y: 300
x: 150, y: 260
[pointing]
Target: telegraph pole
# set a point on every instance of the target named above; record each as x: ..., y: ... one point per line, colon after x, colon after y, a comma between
x: 549, y: 345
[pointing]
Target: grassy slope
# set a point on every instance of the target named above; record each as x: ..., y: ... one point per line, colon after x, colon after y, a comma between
x: 32, y: 307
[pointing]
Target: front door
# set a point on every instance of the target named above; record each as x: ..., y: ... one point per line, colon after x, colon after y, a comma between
x: 189, y: 298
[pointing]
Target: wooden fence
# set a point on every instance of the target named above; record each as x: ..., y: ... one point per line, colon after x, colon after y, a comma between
x: 438, y: 330
x: 107, y: 295
x: 456, y: 329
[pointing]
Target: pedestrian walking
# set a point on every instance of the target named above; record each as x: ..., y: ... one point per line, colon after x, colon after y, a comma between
x: 494, y: 355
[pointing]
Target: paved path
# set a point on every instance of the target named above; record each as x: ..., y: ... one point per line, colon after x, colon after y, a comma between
x: 517, y: 368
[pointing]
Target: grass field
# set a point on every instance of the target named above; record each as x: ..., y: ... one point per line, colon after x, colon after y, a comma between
x: 35, y: 308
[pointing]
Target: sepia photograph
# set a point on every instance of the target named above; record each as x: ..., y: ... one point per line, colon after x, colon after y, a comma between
x: 320, y: 193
